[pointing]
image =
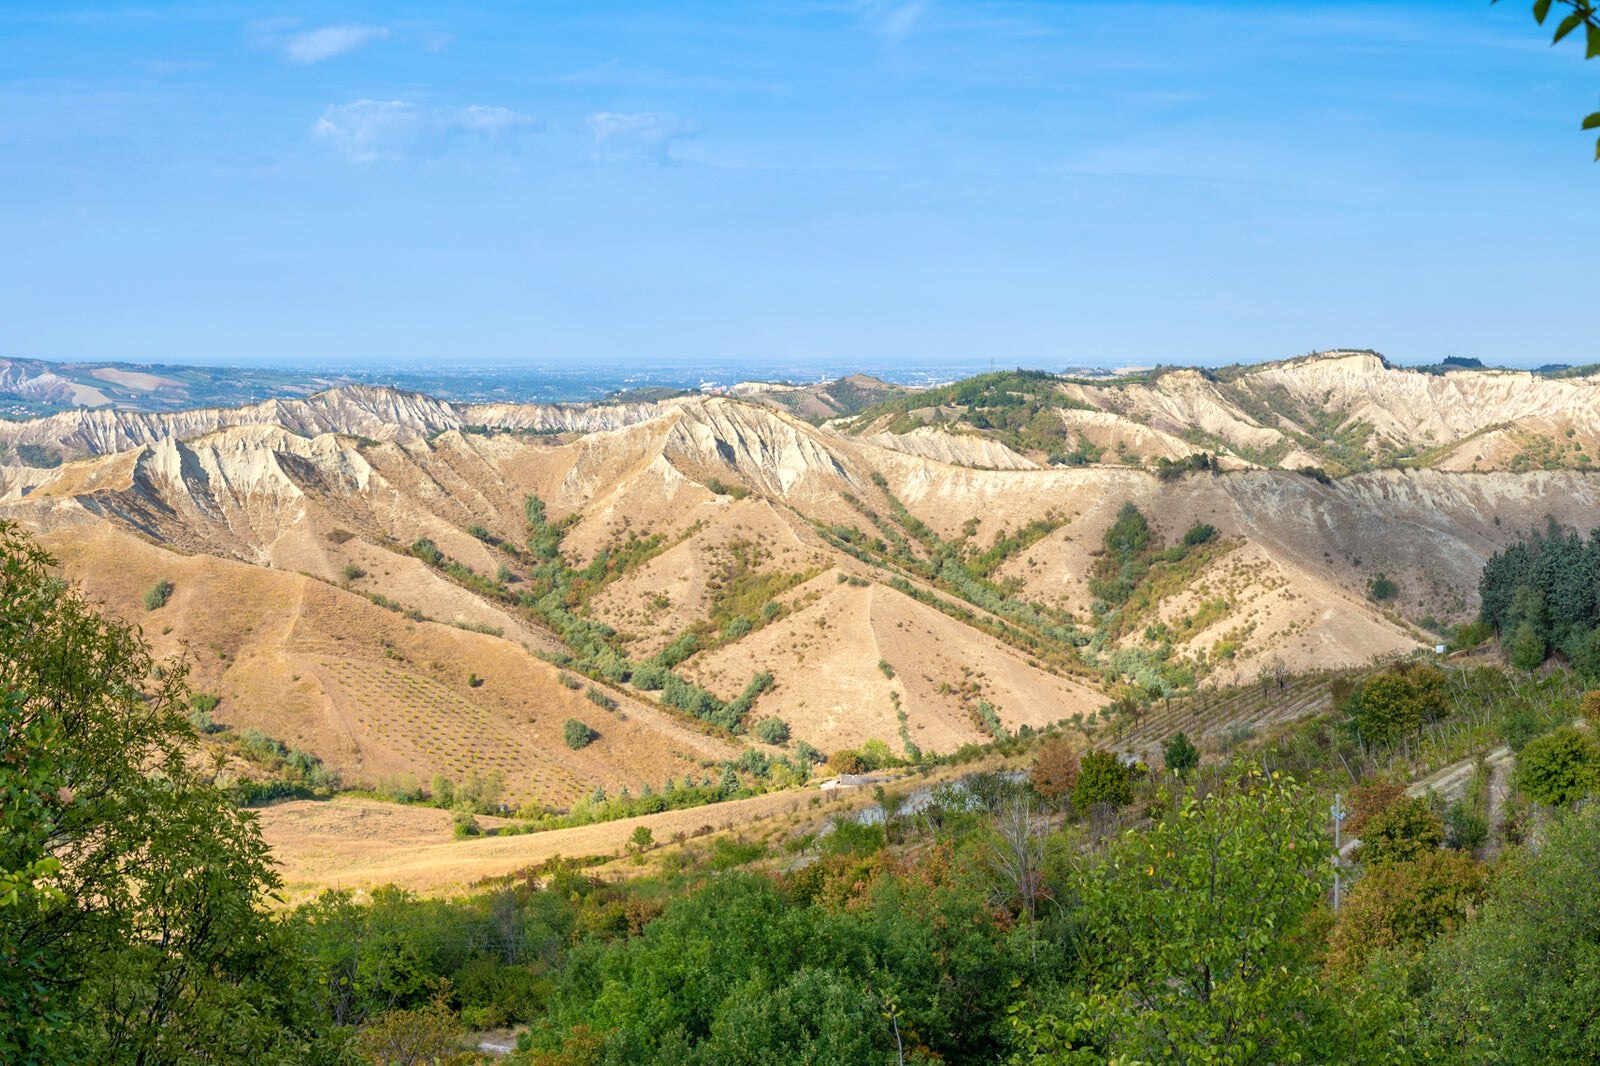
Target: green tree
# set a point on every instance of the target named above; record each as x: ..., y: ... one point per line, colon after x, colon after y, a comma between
x: 1395, y: 702
x: 1102, y: 778
x: 1404, y: 905
x: 1129, y: 534
x: 1402, y: 832
x: 131, y: 927
x: 1181, y: 754
x: 1188, y: 958
x: 1559, y: 767
x: 808, y: 1018
x: 1519, y: 984
x: 1525, y: 650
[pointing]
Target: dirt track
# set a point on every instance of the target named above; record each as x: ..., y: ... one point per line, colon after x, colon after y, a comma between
x: 357, y: 843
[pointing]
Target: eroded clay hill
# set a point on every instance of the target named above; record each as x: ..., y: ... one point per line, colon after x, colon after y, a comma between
x: 1341, y: 412
x: 404, y: 587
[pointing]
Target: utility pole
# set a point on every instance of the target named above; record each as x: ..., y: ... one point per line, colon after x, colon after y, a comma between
x: 1339, y: 814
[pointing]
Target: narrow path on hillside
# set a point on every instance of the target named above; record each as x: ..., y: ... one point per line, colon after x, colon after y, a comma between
x: 1499, y: 790
x: 1451, y: 782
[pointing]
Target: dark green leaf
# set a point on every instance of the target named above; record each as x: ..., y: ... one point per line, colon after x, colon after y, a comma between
x: 1568, y: 24
x: 1541, y: 8
x: 1592, y: 121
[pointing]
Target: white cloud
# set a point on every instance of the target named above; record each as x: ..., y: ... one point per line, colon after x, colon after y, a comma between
x: 313, y: 46
x: 308, y: 46
x: 386, y: 131
x: 646, y: 136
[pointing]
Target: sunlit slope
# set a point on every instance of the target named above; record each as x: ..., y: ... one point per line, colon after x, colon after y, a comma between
x: 916, y: 585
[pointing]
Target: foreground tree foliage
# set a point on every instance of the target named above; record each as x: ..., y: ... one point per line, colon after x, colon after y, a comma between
x: 1569, y: 16
x: 1520, y: 984
x: 1188, y: 956
x: 132, y: 928
x: 1405, y: 830
x: 1403, y: 906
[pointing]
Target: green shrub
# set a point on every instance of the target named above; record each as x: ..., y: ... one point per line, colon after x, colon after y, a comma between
x: 850, y: 837
x: 577, y: 734
x: 399, y: 788
x: 1102, y: 778
x: 1405, y: 830
x: 157, y: 595
x: 1382, y: 588
x: 738, y: 492
x: 991, y: 721
x: 37, y: 455
x: 1181, y: 754
x: 1470, y: 635
x: 443, y: 790
x: 427, y: 551
x: 1559, y: 767
x: 352, y: 572
x: 1464, y: 828
x: 772, y: 731
x: 1520, y: 725
x: 648, y: 677
x: 1199, y: 534
x: 465, y: 825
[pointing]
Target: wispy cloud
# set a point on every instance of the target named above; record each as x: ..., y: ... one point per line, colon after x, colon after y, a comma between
x: 314, y: 46
x: 893, y: 20
x: 388, y: 131
x: 304, y: 47
x: 647, y: 136
x: 435, y: 40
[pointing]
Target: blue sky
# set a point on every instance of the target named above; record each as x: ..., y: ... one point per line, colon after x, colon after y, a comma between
x: 1042, y: 184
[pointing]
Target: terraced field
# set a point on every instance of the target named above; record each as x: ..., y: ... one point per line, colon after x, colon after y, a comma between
x: 1216, y: 717
x: 430, y: 724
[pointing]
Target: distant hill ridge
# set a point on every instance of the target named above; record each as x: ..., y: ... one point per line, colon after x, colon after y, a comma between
x: 1340, y: 412
x: 926, y: 569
